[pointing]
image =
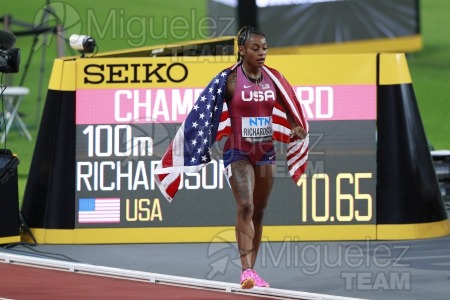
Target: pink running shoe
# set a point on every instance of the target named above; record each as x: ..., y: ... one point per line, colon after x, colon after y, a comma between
x: 247, y: 280
x: 259, y: 281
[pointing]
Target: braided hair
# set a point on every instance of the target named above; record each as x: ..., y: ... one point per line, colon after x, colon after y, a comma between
x: 245, y: 33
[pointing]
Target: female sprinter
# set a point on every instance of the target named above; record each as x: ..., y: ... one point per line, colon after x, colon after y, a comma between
x: 249, y: 154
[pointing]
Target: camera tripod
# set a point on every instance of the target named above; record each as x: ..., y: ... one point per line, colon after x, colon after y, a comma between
x: 41, y: 30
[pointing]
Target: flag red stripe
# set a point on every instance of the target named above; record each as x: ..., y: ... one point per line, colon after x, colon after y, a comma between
x: 167, y: 160
x: 172, y: 188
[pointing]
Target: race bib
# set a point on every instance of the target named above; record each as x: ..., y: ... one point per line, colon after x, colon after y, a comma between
x: 257, y: 129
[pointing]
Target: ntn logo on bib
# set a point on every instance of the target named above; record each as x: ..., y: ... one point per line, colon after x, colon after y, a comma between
x: 256, y: 127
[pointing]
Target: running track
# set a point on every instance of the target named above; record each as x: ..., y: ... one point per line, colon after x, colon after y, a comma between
x: 26, y: 282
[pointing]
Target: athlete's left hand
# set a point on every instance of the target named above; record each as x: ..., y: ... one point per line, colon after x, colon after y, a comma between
x: 298, y: 132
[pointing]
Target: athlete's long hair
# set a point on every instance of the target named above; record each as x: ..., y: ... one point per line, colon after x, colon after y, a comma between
x: 245, y: 33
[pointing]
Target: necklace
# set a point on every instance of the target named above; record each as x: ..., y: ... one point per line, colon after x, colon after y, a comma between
x: 257, y: 80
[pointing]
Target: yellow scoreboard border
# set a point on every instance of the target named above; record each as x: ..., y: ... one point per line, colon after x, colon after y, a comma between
x: 270, y: 234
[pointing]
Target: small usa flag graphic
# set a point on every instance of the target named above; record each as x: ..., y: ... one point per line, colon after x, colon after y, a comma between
x: 98, y: 210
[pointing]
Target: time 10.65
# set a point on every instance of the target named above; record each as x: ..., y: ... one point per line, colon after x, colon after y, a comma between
x: 351, y: 205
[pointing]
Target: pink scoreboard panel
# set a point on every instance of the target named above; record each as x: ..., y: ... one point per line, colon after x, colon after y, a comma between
x: 126, y: 118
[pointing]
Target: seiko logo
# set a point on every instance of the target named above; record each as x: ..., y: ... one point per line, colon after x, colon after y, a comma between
x: 258, y: 95
x: 134, y: 73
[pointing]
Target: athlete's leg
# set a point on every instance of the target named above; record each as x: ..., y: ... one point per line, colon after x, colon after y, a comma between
x: 242, y: 182
x: 263, y: 187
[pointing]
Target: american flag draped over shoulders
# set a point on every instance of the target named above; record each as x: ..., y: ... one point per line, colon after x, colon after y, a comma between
x: 208, y: 122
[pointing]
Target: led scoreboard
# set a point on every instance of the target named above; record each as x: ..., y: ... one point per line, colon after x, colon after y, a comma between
x: 128, y: 110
